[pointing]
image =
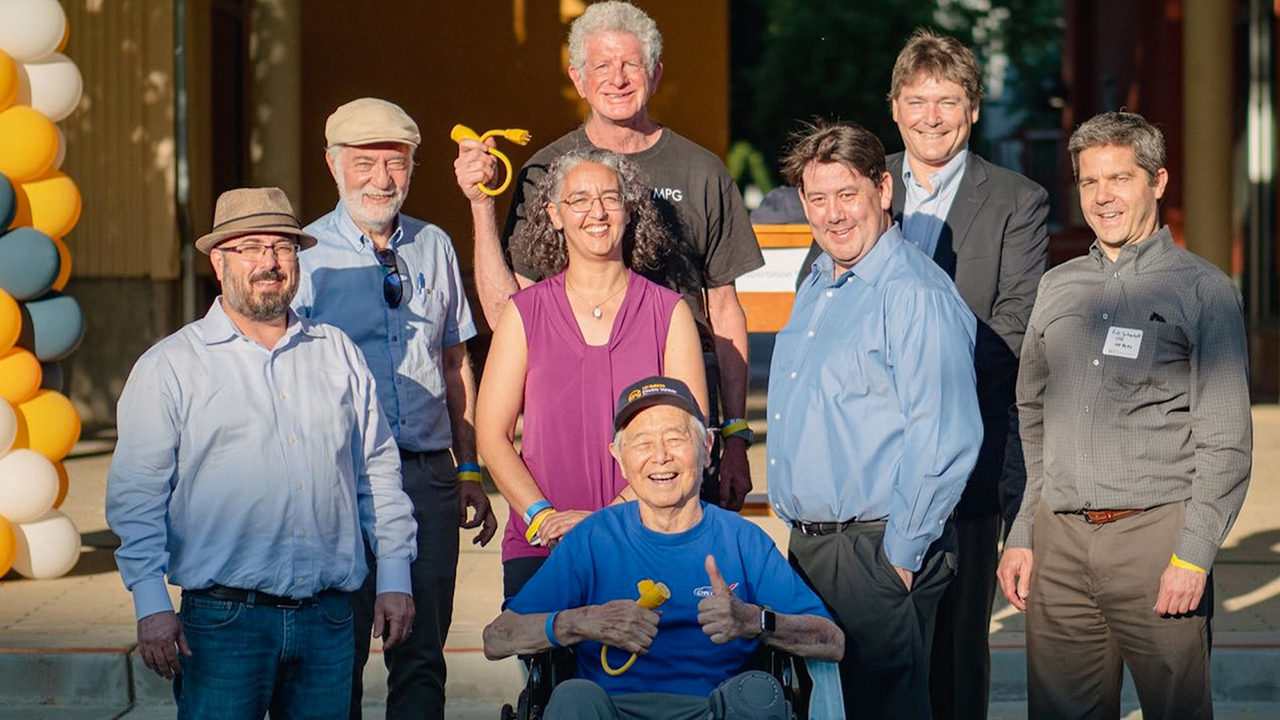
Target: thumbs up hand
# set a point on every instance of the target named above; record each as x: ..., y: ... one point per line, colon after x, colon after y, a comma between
x: 723, y: 616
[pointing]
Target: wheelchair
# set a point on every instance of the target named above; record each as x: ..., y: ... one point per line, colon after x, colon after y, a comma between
x: 547, y: 669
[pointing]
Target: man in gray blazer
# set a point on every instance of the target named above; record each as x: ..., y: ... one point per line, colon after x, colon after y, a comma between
x: 986, y: 226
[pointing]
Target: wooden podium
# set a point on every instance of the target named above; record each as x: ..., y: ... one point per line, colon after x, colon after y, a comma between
x: 768, y: 293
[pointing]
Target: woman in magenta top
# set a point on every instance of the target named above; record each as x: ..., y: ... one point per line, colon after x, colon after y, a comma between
x: 565, y: 347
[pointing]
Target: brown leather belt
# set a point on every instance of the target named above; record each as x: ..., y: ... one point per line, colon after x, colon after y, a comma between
x: 1102, y: 517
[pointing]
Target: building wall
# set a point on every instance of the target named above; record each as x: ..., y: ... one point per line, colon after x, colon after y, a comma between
x: 488, y: 64
x: 492, y: 63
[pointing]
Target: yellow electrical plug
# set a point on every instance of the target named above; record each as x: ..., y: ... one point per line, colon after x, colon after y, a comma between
x: 651, y: 596
x: 461, y: 132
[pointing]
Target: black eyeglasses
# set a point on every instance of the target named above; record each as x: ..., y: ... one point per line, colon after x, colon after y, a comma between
x: 392, y: 281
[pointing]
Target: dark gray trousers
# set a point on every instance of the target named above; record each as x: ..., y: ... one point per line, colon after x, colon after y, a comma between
x: 888, y: 630
x: 960, y: 672
x: 1090, y: 612
x: 416, y: 667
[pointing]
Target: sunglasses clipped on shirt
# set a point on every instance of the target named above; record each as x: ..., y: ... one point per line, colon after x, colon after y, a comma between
x: 392, y: 280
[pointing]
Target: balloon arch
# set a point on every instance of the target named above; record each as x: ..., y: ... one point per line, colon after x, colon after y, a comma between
x: 39, y: 325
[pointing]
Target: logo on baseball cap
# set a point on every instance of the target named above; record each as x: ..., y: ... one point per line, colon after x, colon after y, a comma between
x: 654, y: 390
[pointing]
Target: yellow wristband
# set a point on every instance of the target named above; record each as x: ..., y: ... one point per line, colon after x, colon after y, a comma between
x: 532, y: 533
x: 734, y: 428
x: 1179, y: 562
x: 470, y: 476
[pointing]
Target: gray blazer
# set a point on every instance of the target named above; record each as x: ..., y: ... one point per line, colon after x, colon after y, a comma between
x: 995, y: 245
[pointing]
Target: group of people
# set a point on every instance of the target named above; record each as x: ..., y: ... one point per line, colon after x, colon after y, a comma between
x: 299, y: 461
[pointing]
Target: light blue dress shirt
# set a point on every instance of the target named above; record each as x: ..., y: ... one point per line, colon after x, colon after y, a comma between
x: 924, y: 213
x: 873, y: 411
x: 341, y: 285
x: 255, y: 469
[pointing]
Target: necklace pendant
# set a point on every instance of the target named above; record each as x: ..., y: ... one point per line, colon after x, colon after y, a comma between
x: 597, y: 313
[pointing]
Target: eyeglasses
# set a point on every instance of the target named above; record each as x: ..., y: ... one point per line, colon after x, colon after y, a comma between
x: 582, y: 204
x: 392, y: 281
x: 254, y: 252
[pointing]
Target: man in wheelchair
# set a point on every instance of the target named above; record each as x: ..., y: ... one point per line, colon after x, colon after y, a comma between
x: 727, y: 588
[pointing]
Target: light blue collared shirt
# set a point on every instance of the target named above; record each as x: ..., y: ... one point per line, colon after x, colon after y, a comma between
x: 873, y: 410
x: 342, y: 285
x: 924, y: 213
x: 255, y: 469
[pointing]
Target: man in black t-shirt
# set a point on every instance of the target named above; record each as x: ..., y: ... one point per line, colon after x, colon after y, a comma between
x: 615, y: 53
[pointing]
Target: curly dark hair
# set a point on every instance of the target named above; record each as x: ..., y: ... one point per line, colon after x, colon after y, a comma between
x: 644, y: 244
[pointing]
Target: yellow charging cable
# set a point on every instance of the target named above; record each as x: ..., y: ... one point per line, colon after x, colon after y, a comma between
x: 461, y: 132
x: 651, y: 596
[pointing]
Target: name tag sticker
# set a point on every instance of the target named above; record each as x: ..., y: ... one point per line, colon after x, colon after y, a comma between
x: 1122, y: 342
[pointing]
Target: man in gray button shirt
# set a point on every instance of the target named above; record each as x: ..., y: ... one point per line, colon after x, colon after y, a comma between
x: 1134, y: 406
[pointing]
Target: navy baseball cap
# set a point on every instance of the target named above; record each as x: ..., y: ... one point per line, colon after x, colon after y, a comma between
x: 654, y: 390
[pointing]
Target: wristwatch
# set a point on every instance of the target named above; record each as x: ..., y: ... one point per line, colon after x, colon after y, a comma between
x: 768, y: 621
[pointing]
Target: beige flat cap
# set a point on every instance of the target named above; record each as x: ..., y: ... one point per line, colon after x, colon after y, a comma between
x: 253, y: 211
x: 370, y: 120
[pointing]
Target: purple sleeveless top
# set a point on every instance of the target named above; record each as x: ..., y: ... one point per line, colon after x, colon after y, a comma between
x: 571, y: 390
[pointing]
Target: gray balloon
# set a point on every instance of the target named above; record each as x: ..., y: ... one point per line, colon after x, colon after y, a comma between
x: 29, y: 263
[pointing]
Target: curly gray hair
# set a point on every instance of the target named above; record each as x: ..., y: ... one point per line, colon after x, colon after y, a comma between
x: 614, y: 16
x: 645, y: 242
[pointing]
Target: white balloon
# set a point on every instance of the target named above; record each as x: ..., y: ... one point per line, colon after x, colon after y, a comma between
x: 52, y: 86
x: 8, y: 426
x: 31, y: 29
x: 48, y: 547
x: 28, y: 485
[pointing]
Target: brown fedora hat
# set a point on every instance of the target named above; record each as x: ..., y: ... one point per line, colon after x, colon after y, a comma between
x: 253, y: 211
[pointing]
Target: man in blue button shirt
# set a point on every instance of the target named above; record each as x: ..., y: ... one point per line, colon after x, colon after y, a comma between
x: 873, y: 422
x: 392, y: 283
x: 252, y: 466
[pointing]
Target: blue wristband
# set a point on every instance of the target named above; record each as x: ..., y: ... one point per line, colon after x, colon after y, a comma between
x: 534, y: 509
x: 468, y: 467
x: 551, y: 630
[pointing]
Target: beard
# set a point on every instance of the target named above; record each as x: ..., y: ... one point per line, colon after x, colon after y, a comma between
x: 380, y: 217
x: 260, y: 306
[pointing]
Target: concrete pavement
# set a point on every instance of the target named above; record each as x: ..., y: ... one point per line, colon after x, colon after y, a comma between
x: 65, y: 644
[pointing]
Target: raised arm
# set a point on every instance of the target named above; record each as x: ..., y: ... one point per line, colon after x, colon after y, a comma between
x: 495, y: 281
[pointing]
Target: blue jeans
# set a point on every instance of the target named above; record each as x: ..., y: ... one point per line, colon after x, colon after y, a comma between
x: 247, y: 659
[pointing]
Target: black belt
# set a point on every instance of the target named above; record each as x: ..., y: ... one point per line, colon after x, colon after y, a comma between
x: 418, y: 454
x: 824, y: 528
x: 252, y: 597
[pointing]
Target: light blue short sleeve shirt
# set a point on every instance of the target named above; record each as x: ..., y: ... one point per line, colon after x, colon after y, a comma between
x: 341, y: 285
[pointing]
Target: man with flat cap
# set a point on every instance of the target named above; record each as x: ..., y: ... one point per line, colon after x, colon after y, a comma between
x: 253, y: 464
x: 393, y: 284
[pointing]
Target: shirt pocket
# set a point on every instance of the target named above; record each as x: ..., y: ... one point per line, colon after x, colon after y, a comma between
x: 427, y: 307
x: 1131, y: 379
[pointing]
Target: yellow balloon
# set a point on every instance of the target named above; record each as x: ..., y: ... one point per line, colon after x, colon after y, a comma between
x: 64, y: 483
x: 8, y: 546
x: 28, y: 144
x: 8, y: 80
x: 20, y: 375
x: 53, y: 202
x: 62, y: 45
x: 64, y: 269
x: 22, y: 216
x: 49, y: 424
x: 10, y: 321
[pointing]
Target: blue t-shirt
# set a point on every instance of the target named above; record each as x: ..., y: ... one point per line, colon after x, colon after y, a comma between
x: 610, y: 552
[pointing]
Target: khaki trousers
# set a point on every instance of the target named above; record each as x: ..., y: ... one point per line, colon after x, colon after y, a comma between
x: 1090, y: 613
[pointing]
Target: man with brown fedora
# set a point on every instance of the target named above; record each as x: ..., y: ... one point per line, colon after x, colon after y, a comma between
x: 252, y: 454
x: 392, y: 283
